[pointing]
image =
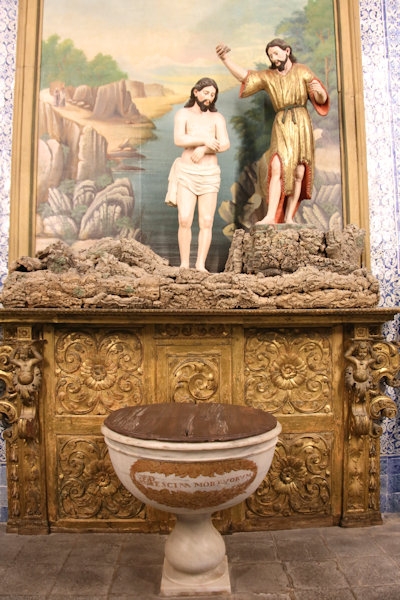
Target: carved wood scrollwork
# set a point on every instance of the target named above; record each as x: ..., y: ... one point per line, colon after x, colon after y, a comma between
x: 195, y: 380
x: 299, y: 480
x: 370, y: 363
x: 323, y: 381
x: 97, y: 372
x: 20, y: 382
x: 8, y: 408
x: 88, y: 485
x: 288, y: 373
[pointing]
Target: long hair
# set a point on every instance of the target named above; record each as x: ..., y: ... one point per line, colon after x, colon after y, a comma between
x: 282, y: 45
x: 202, y: 83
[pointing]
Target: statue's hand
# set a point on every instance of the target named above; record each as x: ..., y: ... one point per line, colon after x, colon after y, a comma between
x: 198, y: 154
x: 213, y: 144
x: 318, y: 91
x: 222, y: 50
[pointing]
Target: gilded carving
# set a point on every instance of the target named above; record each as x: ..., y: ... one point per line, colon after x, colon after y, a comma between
x: 299, y: 480
x: 98, y: 371
x: 20, y: 383
x: 356, y: 474
x: 382, y: 406
x: 194, y: 379
x: 87, y: 484
x: 9, y: 412
x: 9, y: 415
x: 5, y: 366
x: 8, y: 409
x: 387, y: 364
x: 370, y: 363
x: 20, y: 380
x: 326, y: 465
x: 32, y: 476
x: 188, y: 330
x: 373, y: 484
x: 27, y: 374
x: 8, y: 406
x: 14, y: 497
x: 288, y: 372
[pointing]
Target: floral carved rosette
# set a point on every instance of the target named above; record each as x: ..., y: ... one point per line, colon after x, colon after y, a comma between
x: 288, y: 373
x: 88, y: 485
x: 98, y: 371
x: 299, y: 480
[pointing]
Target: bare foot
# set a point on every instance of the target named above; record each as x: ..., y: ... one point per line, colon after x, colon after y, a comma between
x: 266, y: 221
x: 201, y: 268
x: 184, y: 266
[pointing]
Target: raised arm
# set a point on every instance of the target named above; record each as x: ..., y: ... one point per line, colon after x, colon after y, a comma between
x: 237, y: 71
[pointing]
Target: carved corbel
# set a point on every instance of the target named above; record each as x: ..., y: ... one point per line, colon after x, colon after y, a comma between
x: 20, y: 378
x: 27, y: 376
x: 20, y: 382
x: 370, y: 365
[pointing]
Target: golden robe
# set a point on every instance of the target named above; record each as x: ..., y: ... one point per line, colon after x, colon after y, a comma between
x: 292, y: 137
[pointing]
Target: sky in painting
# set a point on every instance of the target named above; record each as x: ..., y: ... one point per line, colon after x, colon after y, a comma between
x: 167, y: 41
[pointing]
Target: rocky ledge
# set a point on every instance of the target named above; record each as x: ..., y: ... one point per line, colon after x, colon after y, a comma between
x: 269, y: 268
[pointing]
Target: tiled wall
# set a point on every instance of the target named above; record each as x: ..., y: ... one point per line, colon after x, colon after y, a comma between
x: 8, y: 26
x: 380, y: 32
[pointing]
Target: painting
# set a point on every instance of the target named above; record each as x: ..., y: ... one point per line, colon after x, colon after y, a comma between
x: 111, y: 80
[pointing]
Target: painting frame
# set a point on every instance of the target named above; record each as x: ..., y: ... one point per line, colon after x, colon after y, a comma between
x: 25, y: 125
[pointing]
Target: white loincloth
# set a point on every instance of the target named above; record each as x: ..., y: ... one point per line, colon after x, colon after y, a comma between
x: 198, y: 179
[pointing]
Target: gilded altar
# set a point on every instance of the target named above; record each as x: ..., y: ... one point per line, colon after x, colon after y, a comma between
x: 320, y: 372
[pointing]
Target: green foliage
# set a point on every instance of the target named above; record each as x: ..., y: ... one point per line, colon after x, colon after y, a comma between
x: 67, y: 186
x: 103, y: 181
x: 44, y: 210
x: 61, y: 61
x: 104, y: 69
x: 254, y: 128
x: 312, y: 36
x: 78, y: 213
x: 124, y: 223
x: 290, y: 30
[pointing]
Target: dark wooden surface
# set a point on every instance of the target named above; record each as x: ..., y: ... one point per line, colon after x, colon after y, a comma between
x: 188, y: 422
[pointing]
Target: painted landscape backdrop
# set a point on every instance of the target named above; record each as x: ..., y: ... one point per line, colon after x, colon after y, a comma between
x: 112, y: 77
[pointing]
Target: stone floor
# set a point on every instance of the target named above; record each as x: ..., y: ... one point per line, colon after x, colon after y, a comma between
x: 329, y: 563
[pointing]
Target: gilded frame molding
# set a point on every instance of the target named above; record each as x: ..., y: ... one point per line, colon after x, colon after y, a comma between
x: 24, y: 153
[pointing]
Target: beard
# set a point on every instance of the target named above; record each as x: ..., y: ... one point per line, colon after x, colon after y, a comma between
x: 202, y: 105
x: 282, y: 64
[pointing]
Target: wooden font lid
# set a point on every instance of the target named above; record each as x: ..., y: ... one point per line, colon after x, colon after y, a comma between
x: 188, y: 422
